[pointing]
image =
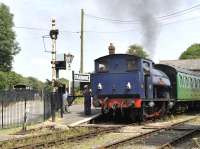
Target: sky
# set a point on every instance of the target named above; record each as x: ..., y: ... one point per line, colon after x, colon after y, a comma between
x: 174, y: 34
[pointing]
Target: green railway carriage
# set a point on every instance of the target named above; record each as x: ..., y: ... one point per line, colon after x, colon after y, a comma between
x: 188, y: 86
x: 185, y: 84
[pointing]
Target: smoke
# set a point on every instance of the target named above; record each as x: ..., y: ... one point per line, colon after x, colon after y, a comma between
x: 146, y: 12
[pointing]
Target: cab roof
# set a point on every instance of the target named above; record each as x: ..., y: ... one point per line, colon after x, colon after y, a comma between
x: 120, y: 55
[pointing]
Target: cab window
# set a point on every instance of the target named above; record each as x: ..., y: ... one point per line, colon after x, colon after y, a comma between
x: 131, y: 64
x: 146, y: 67
x: 102, y: 67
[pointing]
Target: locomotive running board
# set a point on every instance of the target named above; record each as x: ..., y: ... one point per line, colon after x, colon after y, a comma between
x: 158, y: 99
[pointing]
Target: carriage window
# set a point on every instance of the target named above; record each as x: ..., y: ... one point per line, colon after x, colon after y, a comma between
x: 186, y: 82
x: 195, y: 83
x: 102, y: 67
x: 180, y: 80
x: 198, y: 83
x: 132, y: 65
x: 190, y: 82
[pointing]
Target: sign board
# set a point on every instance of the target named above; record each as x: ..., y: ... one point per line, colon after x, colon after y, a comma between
x: 82, y: 77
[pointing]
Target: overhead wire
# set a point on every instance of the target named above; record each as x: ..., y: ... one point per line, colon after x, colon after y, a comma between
x: 43, y: 29
x: 164, y: 17
x: 130, y: 30
x: 136, y: 21
x: 109, y: 32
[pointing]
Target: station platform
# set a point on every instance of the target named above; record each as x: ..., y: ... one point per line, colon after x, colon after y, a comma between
x: 77, y: 116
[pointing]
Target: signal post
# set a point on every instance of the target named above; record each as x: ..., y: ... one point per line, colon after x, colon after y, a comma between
x: 53, y: 34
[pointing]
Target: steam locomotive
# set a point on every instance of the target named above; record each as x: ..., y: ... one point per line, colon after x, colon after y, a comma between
x: 137, y: 88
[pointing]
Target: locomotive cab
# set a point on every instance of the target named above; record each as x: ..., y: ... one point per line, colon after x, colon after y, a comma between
x: 121, y: 79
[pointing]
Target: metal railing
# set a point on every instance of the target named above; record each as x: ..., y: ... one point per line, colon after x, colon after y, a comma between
x: 23, y: 106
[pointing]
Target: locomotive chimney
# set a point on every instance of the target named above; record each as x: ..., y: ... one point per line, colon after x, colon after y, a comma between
x: 111, y: 49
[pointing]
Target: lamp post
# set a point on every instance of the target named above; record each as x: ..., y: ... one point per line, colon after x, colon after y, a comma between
x: 69, y: 58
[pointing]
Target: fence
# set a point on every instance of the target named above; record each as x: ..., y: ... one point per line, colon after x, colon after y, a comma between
x: 16, y: 107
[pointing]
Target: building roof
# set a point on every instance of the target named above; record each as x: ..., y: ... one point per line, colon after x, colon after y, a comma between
x: 189, y: 64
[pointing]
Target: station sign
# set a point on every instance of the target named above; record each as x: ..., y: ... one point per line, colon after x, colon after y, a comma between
x: 82, y: 77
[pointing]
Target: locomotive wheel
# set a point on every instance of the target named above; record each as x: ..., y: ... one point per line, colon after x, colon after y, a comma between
x: 107, y: 113
x: 133, y: 114
x: 158, y: 110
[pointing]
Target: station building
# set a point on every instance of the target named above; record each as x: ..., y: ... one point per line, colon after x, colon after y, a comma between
x: 189, y: 64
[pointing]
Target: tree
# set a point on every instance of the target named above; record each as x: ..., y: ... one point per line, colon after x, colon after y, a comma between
x: 9, y: 79
x: 64, y: 81
x: 48, y: 86
x: 34, y: 83
x: 193, y: 52
x: 137, y: 50
x: 2, y: 80
x: 13, y: 79
x: 8, y: 45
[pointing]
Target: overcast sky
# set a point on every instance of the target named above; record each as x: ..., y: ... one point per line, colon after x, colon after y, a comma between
x: 171, y: 35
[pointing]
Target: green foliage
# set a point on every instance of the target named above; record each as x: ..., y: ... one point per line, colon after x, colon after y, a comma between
x: 63, y: 81
x: 34, y: 83
x: 9, y: 79
x: 2, y: 80
x: 193, y: 52
x: 12, y: 79
x: 48, y: 86
x: 137, y: 50
x: 59, y: 83
x: 8, y: 45
x: 79, y: 101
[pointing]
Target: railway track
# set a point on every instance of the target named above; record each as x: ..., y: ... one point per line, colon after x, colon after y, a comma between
x: 160, y: 137
x: 56, y: 140
x: 45, y: 140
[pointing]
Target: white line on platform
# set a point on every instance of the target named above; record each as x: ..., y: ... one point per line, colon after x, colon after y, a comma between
x: 84, y: 120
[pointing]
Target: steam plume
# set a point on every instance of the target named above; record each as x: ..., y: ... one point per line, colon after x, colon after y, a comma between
x: 145, y: 11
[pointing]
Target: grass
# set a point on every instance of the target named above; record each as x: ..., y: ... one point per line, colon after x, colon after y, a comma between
x: 8, y: 131
x: 13, y: 129
x: 93, y: 142
x: 52, y: 136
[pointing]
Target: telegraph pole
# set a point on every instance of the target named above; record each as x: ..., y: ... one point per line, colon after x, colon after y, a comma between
x: 53, y: 34
x: 81, y: 55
